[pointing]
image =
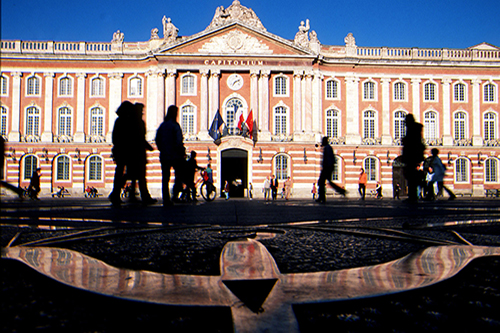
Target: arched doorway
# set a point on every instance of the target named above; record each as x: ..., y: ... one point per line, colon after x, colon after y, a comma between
x: 234, y: 169
x: 398, y: 176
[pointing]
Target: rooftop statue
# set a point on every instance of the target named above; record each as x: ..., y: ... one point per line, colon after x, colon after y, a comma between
x: 302, y: 36
x: 235, y: 12
x: 170, y: 31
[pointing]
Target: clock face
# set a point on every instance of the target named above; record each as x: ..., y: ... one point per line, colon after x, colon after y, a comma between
x: 235, y: 81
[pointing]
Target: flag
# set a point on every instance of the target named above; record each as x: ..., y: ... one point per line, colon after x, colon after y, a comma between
x: 249, y: 123
x: 238, y: 115
x: 215, y: 129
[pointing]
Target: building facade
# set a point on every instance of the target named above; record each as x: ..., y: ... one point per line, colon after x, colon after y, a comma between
x: 58, y: 103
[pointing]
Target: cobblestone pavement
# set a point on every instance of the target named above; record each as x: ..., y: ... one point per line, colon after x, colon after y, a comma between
x: 188, y: 239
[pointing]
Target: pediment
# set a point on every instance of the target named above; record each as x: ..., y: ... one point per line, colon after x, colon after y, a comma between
x: 484, y: 47
x: 234, y: 39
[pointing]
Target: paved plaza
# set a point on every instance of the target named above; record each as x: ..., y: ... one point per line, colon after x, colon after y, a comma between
x: 251, y: 265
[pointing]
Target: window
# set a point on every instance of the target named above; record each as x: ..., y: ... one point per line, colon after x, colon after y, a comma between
x: 188, y: 85
x: 65, y: 121
x: 429, y: 92
x: 491, y: 170
x: 135, y: 87
x: 459, y: 123
x: 462, y: 170
x: 97, y: 87
x: 369, y: 90
x: 3, y: 121
x: 280, y: 120
x: 490, y: 126
x: 280, y: 86
x: 332, y: 123
x: 430, y: 125
x: 62, y: 168
x: 95, y: 168
x: 4, y: 85
x: 33, y: 87
x: 399, y: 125
x: 332, y: 91
x: 32, y: 121
x: 370, y: 164
x: 399, y: 91
x: 65, y: 88
x: 187, y: 122
x: 96, y: 121
x: 30, y: 165
x: 232, y: 107
x: 459, y: 92
x: 281, y: 171
x: 369, y: 124
x: 489, y: 92
x: 336, y: 168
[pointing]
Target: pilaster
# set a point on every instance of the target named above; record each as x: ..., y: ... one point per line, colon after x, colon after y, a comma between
x: 415, y: 85
x: 386, y: 111
x: 264, y: 134
x: 79, y: 136
x: 170, y: 90
x: 447, y: 136
x: 204, y: 116
x: 477, y: 140
x: 14, y: 134
x: 47, y: 114
x: 115, y: 99
x: 297, y: 102
x: 352, y: 110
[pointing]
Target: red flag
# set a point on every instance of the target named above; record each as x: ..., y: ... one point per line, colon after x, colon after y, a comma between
x: 249, y: 123
x: 241, y: 121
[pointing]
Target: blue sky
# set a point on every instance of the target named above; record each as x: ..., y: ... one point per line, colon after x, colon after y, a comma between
x: 403, y: 23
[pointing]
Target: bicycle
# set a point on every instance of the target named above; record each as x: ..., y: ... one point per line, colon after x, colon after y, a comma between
x: 208, y: 191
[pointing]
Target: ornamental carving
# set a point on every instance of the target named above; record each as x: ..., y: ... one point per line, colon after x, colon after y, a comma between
x: 235, y: 42
x: 235, y: 12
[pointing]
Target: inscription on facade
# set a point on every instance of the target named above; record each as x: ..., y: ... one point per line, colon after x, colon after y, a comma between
x: 229, y: 62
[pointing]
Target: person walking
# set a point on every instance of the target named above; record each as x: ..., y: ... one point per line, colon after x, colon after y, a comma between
x: 34, y: 187
x: 438, y: 177
x: 267, y: 189
x: 172, y: 153
x: 274, y: 187
x: 190, y: 170
x: 412, y: 155
x: 314, y: 191
x: 397, y: 190
x: 288, y: 188
x: 378, y: 191
x: 363, y: 179
x: 250, y: 191
x: 327, y: 167
x: 226, y: 189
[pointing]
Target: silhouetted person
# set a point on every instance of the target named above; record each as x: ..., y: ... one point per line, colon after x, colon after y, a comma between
x: 190, y: 170
x: 172, y: 153
x: 397, y: 190
x: 34, y: 187
x: 136, y: 168
x: 8, y: 186
x: 327, y: 167
x: 123, y: 140
x: 274, y: 187
x: 438, y: 177
x: 412, y: 155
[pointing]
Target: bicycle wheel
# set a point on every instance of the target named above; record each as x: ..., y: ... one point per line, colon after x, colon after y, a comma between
x: 208, y: 191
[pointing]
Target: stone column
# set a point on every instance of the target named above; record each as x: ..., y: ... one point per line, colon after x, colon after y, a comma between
x: 352, y: 111
x: 47, y: 112
x: 264, y: 134
x: 213, y: 99
x: 477, y: 140
x: 317, y: 103
x: 308, y: 103
x: 447, y: 123
x: 254, y: 92
x: 415, y: 84
x: 155, y: 102
x: 115, y: 99
x: 386, y: 111
x: 297, y: 102
x: 79, y: 136
x: 160, y: 102
x: 205, y: 119
x: 170, y: 90
x: 14, y: 134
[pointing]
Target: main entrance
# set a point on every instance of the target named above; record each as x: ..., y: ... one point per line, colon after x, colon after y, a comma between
x: 234, y: 169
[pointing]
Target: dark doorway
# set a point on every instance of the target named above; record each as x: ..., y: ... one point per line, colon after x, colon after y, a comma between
x: 398, y: 176
x: 234, y: 169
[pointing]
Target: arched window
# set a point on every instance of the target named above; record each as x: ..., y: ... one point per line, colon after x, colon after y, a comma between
x: 187, y: 120
x: 65, y: 87
x: 399, y: 125
x: 489, y: 92
x: 461, y: 170
x: 33, y: 86
x: 280, y: 86
x: 459, y: 92
x: 97, y: 87
x: 491, y: 170
x: 370, y: 166
x: 399, y: 91
x: 96, y: 121
x: 430, y: 125
x: 332, y: 91
x: 3, y: 121
x: 280, y: 120
x: 95, y: 168
x: 232, y: 107
x: 332, y: 123
x: 4, y: 85
x: 33, y: 121
x: 459, y: 125
x: 30, y: 165
x: 135, y: 87
x: 281, y: 167
x: 429, y: 92
x: 369, y: 124
x: 188, y: 85
x: 62, y: 167
x: 65, y: 121
x: 369, y: 90
x: 490, y: 125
